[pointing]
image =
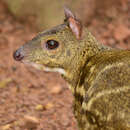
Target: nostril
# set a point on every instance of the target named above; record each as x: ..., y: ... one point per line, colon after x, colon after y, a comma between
x: 18, y: 55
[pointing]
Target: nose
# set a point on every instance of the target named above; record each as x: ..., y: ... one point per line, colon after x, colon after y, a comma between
x: 18, y: 55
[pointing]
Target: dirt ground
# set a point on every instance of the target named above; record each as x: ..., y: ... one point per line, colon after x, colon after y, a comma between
x: 34, y: 100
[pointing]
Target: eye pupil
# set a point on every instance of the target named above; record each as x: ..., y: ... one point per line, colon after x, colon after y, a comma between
x: 52, y: 44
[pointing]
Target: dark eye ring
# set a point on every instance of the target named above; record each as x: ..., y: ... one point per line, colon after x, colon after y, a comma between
x: 51, y: 44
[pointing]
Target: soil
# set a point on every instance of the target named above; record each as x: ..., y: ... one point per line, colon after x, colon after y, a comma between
x: 35, y: 100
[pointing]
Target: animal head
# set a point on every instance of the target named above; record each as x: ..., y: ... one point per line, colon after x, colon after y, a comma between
x: 54, y: 49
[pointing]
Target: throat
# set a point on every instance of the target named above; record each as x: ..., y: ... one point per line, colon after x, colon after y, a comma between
x: 75, y: 80
x: 59, y: 70
x: 45, y: 68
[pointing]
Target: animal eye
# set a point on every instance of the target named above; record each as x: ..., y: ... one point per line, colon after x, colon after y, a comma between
x: 52, y: 44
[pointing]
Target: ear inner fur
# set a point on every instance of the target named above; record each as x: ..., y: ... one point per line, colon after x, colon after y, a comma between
x: 76, y: 27
x: 73, y: 23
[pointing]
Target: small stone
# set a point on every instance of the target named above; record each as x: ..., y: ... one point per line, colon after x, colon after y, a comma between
x: 56, y: 90
x: 6, y: 127
x: 30, y: 122
x: 49, y: 106
x: 39, y: 107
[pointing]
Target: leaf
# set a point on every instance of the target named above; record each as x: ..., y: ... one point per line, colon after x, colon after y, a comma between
x: 5, y: 82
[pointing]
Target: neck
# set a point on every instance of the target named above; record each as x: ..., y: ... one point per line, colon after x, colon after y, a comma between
x: 88, y: 48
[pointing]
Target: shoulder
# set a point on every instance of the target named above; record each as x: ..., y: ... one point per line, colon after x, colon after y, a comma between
x: 108, y: 94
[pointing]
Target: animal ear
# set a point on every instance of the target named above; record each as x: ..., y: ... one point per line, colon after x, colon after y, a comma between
x: 74, y: 24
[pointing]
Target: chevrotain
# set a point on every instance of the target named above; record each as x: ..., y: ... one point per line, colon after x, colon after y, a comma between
x: 97, y: 75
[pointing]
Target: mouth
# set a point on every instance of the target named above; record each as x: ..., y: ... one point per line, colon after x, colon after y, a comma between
x: 35, y: 65
x: 44, y: 68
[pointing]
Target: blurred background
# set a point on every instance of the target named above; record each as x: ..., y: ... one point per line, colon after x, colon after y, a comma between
x: 35, y: 100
